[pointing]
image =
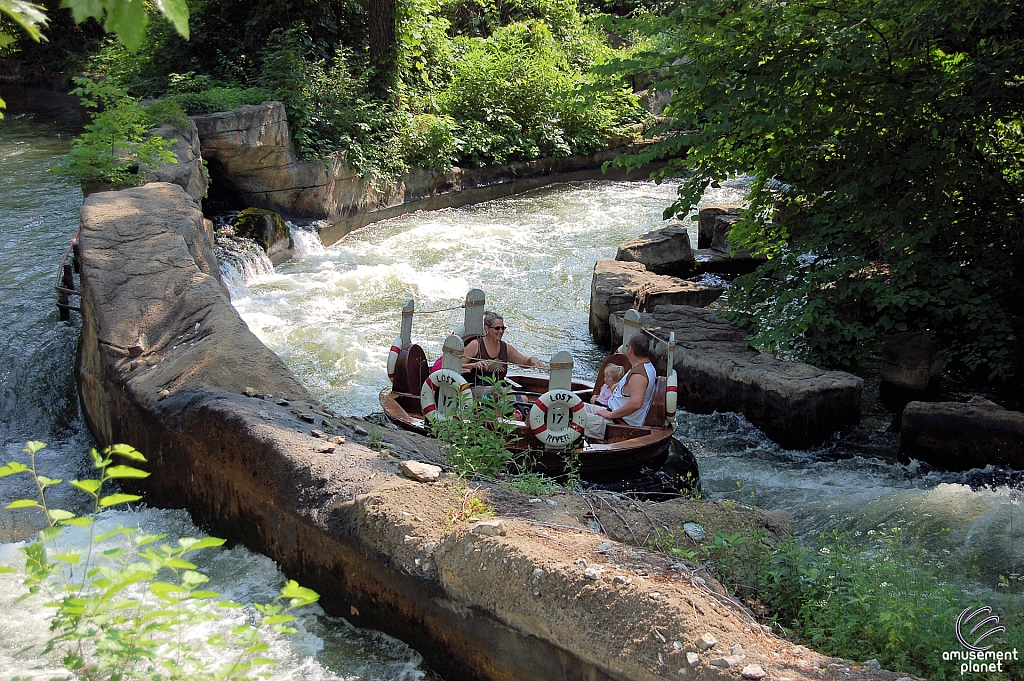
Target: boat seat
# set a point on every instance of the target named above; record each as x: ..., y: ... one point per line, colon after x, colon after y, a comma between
x: 656, y: 414
x: 618, y: 359
x: 411, y: 370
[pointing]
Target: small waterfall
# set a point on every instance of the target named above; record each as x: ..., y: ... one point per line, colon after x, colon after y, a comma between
x: 306, y: 241
x: 242, y: 261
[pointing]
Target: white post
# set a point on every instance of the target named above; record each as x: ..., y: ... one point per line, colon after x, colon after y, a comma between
x: 630, y: 325
x: 407, y: 311
x: 452, y: 352
x: 561, y: 371
x: 474, y: 320
x: 670, y: 362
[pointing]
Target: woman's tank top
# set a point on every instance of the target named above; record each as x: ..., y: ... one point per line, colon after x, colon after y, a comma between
x: 477, y: 376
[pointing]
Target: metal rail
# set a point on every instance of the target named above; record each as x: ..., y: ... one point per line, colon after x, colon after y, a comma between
x: 65, y: 285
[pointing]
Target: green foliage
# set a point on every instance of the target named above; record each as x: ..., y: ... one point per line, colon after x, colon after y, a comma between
x: 891, y: 599
x: 119, y: 607
x: 885, y: 145
x: 879, y: 595
x: 197, y: 94
x: 430, y: 141
x: 476, y: 434
x: 115, y: 143
x: 533, y: 484
x: 516, y: 97
x: 125, y: 18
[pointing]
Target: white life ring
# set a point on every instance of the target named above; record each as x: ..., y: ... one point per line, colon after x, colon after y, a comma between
x: 431, y: 386
x: 671, y: 393
x: 558, y: 436
x: 396, y: 348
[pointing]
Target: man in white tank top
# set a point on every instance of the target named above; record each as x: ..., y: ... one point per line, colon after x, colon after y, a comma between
x: 632, y: 397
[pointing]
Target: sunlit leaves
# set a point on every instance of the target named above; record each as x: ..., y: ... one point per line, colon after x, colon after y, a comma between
x: 119, y: 606
x: 881, y: 136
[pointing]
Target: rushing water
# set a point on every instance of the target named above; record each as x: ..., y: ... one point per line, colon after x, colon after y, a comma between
x: 38, y: 217
x: 331, y: 313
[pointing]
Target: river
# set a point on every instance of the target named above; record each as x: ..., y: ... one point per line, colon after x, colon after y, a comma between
x: 38, y: 217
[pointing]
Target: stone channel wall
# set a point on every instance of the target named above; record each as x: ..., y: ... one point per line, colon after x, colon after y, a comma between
x: 251, y: 152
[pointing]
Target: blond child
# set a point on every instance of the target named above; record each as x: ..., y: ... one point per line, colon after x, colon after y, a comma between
x: 613, y: 373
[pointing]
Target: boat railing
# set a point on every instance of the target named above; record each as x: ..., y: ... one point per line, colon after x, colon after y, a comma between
x: 65, y: 285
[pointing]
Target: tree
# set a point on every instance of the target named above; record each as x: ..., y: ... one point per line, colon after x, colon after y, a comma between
x: 885, y: 142
x: 126, y: 19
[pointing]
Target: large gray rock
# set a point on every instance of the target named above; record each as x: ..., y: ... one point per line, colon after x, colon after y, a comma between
x: 620, y: 286
x: 663, y: 251
x: 796, y: 405
x: 707, y: 223
x: 910, y: 361
x: 158, y: 333
x: 959, y: 436
x: 187, y: 172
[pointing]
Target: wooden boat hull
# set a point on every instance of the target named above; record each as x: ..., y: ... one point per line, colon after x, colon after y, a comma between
x: 625, y: 451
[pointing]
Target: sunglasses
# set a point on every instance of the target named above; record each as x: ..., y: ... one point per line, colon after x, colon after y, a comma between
x: 497, y: 328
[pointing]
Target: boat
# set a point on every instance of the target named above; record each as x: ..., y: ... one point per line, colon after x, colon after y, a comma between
x: 625, y: 452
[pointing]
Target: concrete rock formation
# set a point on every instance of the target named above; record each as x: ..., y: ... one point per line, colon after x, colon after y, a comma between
x: 708, y: 225
x: 796, y: 405
x: 958, y: 436
x: 620, y: 286
x: 663, y: 251
x: 188, y: 171
x: 910, y: 361
x: 251, y: 155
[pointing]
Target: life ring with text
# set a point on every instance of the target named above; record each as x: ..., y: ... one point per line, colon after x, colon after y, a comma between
x: 396, y: 349
x: 554, y: 430
x: 432, y: 388
x: 671, y: 394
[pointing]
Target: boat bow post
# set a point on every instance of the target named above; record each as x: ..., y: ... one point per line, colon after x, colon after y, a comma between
x: 630, y: 325
x: 407, y: 313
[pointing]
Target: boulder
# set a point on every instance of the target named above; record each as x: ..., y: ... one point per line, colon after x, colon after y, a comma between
x: 187, y: 172
x: 619, y: 286
x: 663, y: 251
x: 269, y: 230
x: 706, y: 223
x: 720, y: 234
x: 796, y: 405
x: 711, y: 261
x: 910, y: 361
x: 419, y: 471
x: 959, y: 436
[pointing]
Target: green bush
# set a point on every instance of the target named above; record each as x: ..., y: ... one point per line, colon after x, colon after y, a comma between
x: 120, y: 607
x: 884, y: 142
x: 858, y: 596
x: 475, y: 434
x: 516, y: 97
x: 429, y: 141
x: 114, y: 143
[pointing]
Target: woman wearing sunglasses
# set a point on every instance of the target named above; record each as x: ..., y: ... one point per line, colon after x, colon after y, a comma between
x: 489, y: 356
